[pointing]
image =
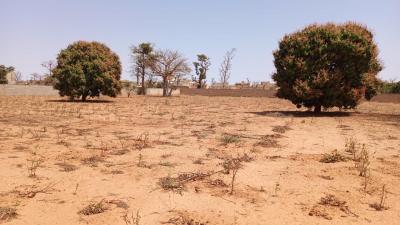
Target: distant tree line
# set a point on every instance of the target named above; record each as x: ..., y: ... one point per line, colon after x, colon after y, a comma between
x: 389, y: 87
x: 147, y: 62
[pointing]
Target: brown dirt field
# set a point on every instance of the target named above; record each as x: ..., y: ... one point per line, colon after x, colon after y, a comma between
x: 393, y: 98
x: 390, y: 98
x: 115, y: 154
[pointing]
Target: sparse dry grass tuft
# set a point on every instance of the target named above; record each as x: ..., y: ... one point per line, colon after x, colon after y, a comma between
x: 280, y: 129
x: 171, y: 184
x: 331, y: 200
x: 230, y: 139
x: 333, y: 157
x: 7, y: 213
x: 363, y: 162
x: 66, y: 167
x: 269, y: 141
x: 93, y: 208
x: 382, y: 203
x: 92, y: 161
x: 33, y: 163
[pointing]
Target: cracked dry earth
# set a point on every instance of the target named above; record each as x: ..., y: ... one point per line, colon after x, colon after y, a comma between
x: 147, y: 160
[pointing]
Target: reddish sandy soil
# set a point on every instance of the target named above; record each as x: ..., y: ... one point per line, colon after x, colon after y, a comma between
x: 229, y: 92
x: 162, y: 161
x: 393, y: 98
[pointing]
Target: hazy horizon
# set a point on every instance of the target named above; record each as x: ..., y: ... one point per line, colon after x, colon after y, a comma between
x: 35, y: 31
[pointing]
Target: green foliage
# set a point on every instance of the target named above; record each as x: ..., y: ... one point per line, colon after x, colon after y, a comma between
x: 87, y: 69
x: 201, y: 67
x: 327, y: 66
x: 390, y: 87
x: 3, y: 73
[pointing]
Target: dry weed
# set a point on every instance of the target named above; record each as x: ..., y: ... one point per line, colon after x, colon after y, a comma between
x: 93, y: 208
x: 230, y: 139
x: 382, y: 203
x: 363, y: 161
x: 7, y: 213
x: 333, y: 157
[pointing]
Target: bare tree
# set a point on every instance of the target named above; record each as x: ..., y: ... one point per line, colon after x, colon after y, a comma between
x: 226, y: 67
x: 169, y: 65
x: 49, y: 65
x: 18, y: 76
x: 36, y: 78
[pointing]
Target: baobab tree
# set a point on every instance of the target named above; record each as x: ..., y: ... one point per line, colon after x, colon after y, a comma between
x: 201, y: 67
x: 168, y: 65
x: 142, y: 58
x: 226, y: 67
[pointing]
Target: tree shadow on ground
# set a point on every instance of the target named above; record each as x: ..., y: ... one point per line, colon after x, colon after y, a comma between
x: 79, y: 101
x: 390, y: 118
x: 280, y: 113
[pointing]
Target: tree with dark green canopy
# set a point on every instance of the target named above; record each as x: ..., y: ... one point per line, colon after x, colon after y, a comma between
x: 330, y: 65
x: 87, y: 69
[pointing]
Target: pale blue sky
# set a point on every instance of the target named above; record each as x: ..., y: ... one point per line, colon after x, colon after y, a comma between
x: 33, y: 31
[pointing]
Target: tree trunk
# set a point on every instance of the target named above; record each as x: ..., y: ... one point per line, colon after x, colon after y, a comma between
x: 165, y: 87
x: 200, y: 84
x: 143, y: 73
x: 317, y: 108
x: 84, y: 97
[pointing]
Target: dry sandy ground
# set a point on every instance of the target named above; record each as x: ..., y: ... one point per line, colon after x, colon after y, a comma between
x: 161, y: 161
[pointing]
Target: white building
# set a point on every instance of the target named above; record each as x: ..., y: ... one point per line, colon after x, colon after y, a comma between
x: 11, y: 78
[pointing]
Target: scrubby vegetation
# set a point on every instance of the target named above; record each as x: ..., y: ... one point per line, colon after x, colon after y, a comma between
x: 390, y: 87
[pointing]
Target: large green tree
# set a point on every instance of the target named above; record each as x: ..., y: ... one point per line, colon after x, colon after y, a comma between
x: 3, y: 73
x: 330, y: 65
x: 87, y: 69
